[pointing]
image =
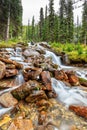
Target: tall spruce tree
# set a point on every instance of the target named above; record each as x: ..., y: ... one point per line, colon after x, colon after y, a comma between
x: 63, y: 21
x: 70, y: 25
x: 51, y: 20
x: 56, y: 28
x: 41, y: 24
x: 33, y: 29
x: 10, y: 17
x: 84, y: 23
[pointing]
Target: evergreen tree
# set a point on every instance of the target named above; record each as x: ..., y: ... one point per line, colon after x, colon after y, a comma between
x: 84, y: 23
x: 10, y: 17
x: 41, y: 24
x: 56, y: 28
x: 33, y: 28
x: 63, y: 22
x: 46, y: 24
x: 51, y: 20
x: 70, y: 25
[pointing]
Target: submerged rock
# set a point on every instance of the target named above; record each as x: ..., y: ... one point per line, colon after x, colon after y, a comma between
x: 2, y: 69
x: 21, y: 124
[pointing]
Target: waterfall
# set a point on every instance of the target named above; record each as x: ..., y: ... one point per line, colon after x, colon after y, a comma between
x: 69, y: 96
x: 57, y: 60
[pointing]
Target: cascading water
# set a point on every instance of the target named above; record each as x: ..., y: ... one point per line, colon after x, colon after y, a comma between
x: 69, y: 96
x: 57, y: 60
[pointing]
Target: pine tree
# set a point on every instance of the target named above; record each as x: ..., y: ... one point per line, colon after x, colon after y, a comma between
x: 51, y: 20
x: 84, y: 23
x: 41, y: 24
x: 63, y: 22
x: 33, y: 29
x: 70, y: 25
x: 46, y: 25
x: 56, y: 28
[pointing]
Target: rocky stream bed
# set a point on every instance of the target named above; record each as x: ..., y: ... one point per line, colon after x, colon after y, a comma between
x: 37, y: 92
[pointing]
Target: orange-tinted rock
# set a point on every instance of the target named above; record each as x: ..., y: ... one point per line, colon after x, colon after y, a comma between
x: 5, y: 83
x: 46, y: 79
x: 34, y: 97
x: 73, y: 79
x: 7, y: 100
x: 21, y: 124
x: 31, y: 73
x: 60, y: 75
x: 2, y: 70
x: 10, y: 66
x: 11, y: 72
x: 79, y: 110
x: 42, y: 117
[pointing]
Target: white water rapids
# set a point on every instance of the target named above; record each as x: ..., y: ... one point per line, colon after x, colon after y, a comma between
x: 67, y: 95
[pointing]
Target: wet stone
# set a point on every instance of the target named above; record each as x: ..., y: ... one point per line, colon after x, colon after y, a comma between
x: 36, y: 96
x: 46, y: 79
x: 11, y: 72
x: 32, y: 73
x: 2, y: 69
x: 7, y: 100
x: 21, y: 124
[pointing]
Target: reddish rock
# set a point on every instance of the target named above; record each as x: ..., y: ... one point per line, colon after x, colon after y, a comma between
x: 11, y: 72
x: 7, y: 100
x: 21, y: 124
x: 2, y: 70
x: 73, y: 79
x: 79, y: 110
x: 32, y: 98
x: 46, y: 79
x: 60, y: 75
x: 31, y: 73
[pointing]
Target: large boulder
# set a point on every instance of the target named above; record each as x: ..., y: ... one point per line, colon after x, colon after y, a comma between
x: 7, y: 100
x: 2, y: 69
x: 46, y: 79
x: 25, y: 89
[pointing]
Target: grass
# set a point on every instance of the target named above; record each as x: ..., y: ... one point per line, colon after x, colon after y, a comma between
x: 9, y: 43
x: 76, y: 52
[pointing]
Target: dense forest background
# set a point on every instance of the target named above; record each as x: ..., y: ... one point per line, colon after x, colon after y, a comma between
x: 52, y: 26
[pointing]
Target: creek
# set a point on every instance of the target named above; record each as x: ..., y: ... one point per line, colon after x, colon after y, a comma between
x: 66, y: 95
